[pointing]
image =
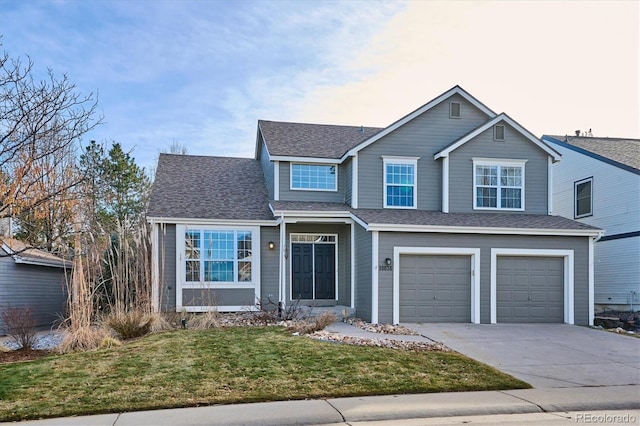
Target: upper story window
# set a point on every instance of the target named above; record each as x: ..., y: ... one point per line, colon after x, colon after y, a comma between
x: 454, y: 110
x: 315, y: 177
x: 498, y: 184
x: 583, y: 190
x: 223, y: 256
x: 400, y: 175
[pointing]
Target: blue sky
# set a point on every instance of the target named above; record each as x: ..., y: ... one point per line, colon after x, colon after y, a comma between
x: 201, y: 73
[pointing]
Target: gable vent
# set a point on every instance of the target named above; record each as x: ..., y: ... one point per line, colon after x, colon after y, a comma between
x: 454, y: 109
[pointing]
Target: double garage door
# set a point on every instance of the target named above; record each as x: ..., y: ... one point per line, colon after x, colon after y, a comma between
x: 437, y: 288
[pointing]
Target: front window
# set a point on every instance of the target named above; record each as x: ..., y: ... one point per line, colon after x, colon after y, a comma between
x: 583, y: 198
x: 317, y: 177
x: 218, y: 255
x: 499, y: 186
x: 400, y: 182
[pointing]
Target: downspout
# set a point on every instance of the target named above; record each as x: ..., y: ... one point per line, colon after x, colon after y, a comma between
x: 591, y: 277
x: 281, y: 275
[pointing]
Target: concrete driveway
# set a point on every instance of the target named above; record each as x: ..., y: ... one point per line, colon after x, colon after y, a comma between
x: 545, y: 355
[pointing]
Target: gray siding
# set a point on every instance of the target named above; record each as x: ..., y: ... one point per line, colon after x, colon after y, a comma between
x: 580, y: 245
x: 348, y: 188
x: 41, y: 288
x: 286, y: 194
x: 167, y: 267
x: 515, y: 146
x: 218, y: 297
x: 269, y: 265
x: 422, y: 137
x: 343, y: 259
x: 267, y: 168
x: 363, y: 273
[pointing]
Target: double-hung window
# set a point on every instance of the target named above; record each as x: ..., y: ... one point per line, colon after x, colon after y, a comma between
x: 314, y: 177
x: 400, y: 176
x: 583, y: 198
x: 498, y: 184
x: 218, y: 255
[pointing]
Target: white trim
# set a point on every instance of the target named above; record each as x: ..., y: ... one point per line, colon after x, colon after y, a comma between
x: 287, y: 158
x: 478, y: 230
x: 313, y: 259
x: 225, y: 308
x: 412, y: 161
x: 567, y: 255
x: 276, y: 180
x: 502, y: 117
x: 591, y: 280
x: 549, y: 186
x: 354, y: 182
x: 291, y: 188
x: 353, y: 262
x: 499, y: 163
x: 374, y: 276
x: 282, y: 287
x: 155, y: 268
x: 211, y: 222
x: 473, y: 253
x: 445, y: 185
x: 457, y: 90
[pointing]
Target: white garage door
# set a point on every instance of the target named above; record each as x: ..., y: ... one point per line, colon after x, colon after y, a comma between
x: 435, y: 288
x: 530, y: 289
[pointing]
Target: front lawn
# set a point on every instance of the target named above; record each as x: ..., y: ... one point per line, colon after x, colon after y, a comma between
x: 231, y: 365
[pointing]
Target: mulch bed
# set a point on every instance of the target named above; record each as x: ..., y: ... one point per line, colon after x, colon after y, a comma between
x: 22, y: 355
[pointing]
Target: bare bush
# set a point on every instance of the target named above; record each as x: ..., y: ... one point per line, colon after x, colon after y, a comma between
x: 311, y: 325
x: 20, y: 325
x: 205, y: 320
x: 82, y: 338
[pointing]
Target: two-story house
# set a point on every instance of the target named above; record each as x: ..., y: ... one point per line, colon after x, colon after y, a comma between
x: 443, y: 216
x: 598, y: 183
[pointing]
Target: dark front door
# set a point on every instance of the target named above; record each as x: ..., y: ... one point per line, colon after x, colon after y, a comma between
x: 302, y: 271
x: 325, y: 271
x: 313, y: 271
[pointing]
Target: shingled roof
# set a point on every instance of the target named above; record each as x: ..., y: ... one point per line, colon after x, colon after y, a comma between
x: 425, y: 218
x: 205, y: 187
x: 625, y: 152
x: 312, y: 140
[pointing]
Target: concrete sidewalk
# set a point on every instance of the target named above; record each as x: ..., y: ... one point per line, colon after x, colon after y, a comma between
x: 374, y: 408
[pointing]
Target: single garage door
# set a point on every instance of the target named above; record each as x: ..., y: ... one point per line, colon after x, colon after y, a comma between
x: 435, y: 288
x: 530, y: 289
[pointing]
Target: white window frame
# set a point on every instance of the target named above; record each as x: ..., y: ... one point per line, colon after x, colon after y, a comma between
x: 451, y: 115
x: 575, y: 198
x: 413, y: 161
x: 495, y: 133
x: 292, y: 188
x: 502, y: 162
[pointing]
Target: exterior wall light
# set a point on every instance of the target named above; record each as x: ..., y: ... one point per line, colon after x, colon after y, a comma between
x: 387, y: 261
x: 271, y: 245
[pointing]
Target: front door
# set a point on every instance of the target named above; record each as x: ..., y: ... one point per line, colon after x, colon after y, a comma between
x: 313, y: 271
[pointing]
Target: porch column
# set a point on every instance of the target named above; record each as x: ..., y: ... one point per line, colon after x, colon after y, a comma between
x: 283, y: 259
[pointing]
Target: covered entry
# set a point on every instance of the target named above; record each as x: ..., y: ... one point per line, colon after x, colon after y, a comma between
x: 436, y: 285
x: 313, y: 266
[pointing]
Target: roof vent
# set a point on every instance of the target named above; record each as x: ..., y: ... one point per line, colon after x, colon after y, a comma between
x: 361, y: 129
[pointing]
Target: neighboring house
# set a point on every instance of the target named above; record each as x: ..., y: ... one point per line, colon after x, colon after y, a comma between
x: 443, y: 216
x: 598, y: 183
x: 32, y: 278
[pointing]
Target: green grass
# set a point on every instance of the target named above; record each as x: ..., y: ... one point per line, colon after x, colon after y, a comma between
x: 188, y: 368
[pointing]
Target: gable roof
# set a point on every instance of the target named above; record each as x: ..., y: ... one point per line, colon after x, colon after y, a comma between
x: 623, y: 153
x: 21, y: 253
x: 286, y: 140
x: 204, y: 187
x: 500, y: 118
x: 456, y: 90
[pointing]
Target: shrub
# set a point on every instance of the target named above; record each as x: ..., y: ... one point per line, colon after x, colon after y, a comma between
x: 204, y: 320
x: 109, y: 342
x: 128, y: 325
x: 20, y: 325
x: 312, y: 325
x: 82, y: 338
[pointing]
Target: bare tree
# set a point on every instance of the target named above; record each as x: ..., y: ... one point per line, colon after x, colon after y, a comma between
x: 41, y: 122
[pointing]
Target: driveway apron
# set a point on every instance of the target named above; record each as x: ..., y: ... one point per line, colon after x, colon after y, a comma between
x: 545, y: 355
